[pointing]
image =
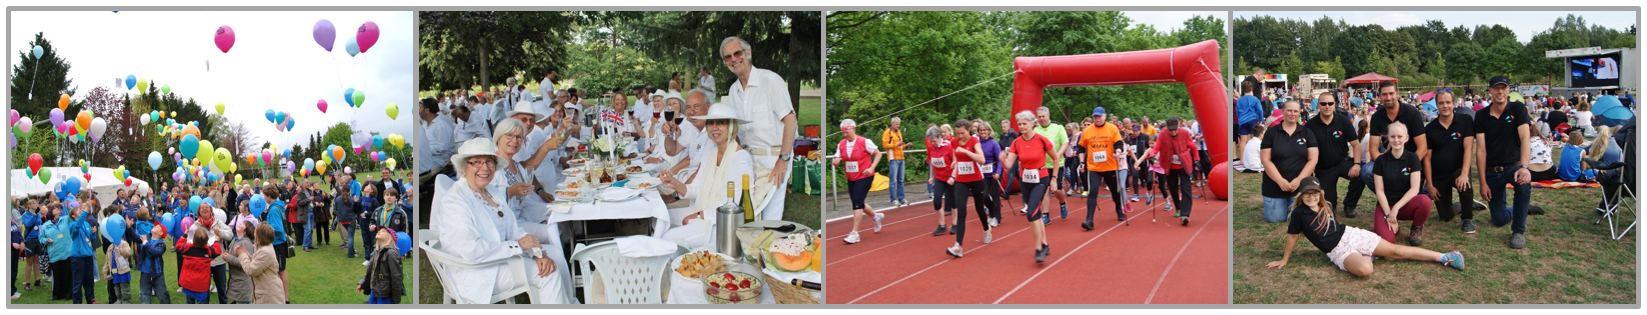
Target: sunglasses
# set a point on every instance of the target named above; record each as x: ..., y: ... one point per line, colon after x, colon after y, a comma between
x: 736, y: 54
x: 1326, y: 103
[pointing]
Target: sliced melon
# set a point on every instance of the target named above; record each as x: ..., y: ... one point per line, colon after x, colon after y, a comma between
x: 790, y: 263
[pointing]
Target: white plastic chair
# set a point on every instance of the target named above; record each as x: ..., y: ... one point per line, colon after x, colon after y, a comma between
x: 442, y: 261
x: 625, y: 280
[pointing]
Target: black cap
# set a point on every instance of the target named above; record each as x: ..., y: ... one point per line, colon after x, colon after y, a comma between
x: 1499, y: 79
x: 1172, y: 123
x: 1308, y: 184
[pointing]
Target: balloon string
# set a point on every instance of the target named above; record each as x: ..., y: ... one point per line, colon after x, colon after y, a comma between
x: 33, y: 77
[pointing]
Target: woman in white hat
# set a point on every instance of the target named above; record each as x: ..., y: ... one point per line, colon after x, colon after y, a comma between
x: 472, y: 221
x: 726, y: 162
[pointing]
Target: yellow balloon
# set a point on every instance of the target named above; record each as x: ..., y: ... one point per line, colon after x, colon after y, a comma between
x: 321, y: 166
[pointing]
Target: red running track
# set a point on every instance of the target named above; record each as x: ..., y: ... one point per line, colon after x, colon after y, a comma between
x: 1163, y: 263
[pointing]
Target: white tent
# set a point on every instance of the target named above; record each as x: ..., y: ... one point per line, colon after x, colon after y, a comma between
x: 102, y: 182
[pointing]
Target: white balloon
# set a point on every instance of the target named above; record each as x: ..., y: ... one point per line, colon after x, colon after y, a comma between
x: 143, y: 119
x: 98, y: 127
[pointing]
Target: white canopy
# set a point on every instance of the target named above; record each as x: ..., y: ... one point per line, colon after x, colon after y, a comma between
x: 102, y: 182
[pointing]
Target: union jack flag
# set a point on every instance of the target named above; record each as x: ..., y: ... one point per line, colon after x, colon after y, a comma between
x: 611, y: 116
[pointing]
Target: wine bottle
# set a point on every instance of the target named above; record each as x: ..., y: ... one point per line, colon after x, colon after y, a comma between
x: 748, y: 206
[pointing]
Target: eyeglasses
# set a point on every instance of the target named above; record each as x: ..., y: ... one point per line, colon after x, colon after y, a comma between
x: 736, y: 54
x: 484, y: 163
x: 516, y: 137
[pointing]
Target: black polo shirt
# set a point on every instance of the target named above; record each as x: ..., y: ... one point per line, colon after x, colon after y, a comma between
x: 1499, y: 133
x: 1447, y: 143
x: 1289, y: 152
x: 1405, y: 114
x: 1397, y: 173
x: 1325, y: 237
x: 1334, y: 139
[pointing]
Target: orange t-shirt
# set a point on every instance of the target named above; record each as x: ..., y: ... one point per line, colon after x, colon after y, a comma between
x: 1100, y: 144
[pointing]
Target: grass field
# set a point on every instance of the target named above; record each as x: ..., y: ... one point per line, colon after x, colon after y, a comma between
x: 323, y: 276
x: 811, y: 112
x: 1567, y: 260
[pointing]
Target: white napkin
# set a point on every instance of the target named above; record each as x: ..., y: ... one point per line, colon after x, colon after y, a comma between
x: 618, y: 193
x: 640, y: 246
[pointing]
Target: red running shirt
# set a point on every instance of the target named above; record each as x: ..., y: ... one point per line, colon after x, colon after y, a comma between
x: 1032, y: 153
x: 940, y: 158
x: 966, y: 169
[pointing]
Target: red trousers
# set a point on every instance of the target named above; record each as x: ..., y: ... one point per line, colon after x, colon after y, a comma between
x: 1416, y: 210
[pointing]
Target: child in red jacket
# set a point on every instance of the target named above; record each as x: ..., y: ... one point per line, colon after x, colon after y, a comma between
x: 198, y: 252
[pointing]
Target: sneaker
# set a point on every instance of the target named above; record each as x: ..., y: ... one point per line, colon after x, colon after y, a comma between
x: 1046, y: 248
x: 953, y: 228
x: 1453, y: 259
x: 1087, y: 225
x: 1046, y: 220
x: 1183, y: 221
x: 852, y: 238
x: 994, y: 222
x: 878, y: 218
x: 1469, y: 227
x: 1134, y: 199
x: 1518, y: 241
x: 1040, y: 255
x: 1024, y: 210
x: 1119, y: 217
x: 954, y: 251
x: 16, y: 295
x: 26, y: 287
x: 179, y: 289
x: 1127, y: 207
x: 1063, y: 211
x: 214, y: 289
x: 1350, y: 213
x: 1535, y: 210
x: 988, y: 238
x: 939, y: 231
x: 1169, y: 207
x: 1416, y: 237
x: 366, y: 263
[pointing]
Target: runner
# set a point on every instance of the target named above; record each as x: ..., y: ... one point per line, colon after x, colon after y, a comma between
x: 1101, y: 139
x: 1350, y: 248
x: 968, y: 180
x: 938, y: 155
x: 855, y: 151
x: 1060, y: 141
x: 1034, y: 150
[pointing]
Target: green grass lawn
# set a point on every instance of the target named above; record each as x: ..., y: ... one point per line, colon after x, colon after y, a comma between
x: 323, y: 276
x: 1567, y: 260
x: 811, y: 112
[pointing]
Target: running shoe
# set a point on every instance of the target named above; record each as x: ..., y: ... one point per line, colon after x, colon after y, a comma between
x: 940, y: 230
x: 1453, y: 259
x: 954, y: 227
x: 1046, y: 248
x: 1518, y: 241
x: 16, y: 295
x: 1046, y: 220
x: 1134, y: 199
x: 1183, y: 221
x: 1128, y: 207
x: 1024, y: 210
x: 1168, y: 208
x: 852, y: 238
x: 954, y: 251
x: 1063, y: 211
x: 988, y: 238
x: 1468, y: 227
x: 1119, y: 217
x: 994, y: 222
x: 1040, y: 255
x: 878, y: 217
x: 1087, y: 225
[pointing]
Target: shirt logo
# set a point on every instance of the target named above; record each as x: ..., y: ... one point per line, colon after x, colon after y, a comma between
x: 1300, y: 141
x: 1406, y: 171
x: 1455, y: 136
x: 1337, y: 134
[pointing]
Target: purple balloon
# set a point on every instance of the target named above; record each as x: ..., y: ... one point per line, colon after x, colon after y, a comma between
x: 56, y: 117
x: 325, y: 34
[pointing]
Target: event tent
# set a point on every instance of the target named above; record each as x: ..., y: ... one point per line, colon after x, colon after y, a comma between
x: 102, y: 182
x: 1370, y: 77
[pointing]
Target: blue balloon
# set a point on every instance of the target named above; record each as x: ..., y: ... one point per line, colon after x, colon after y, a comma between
x: 269, y: 114
x: 280, y: 117
x: 194, y: 203
x: 257, y: 205
x: 189, y: 147
x: 377, y: 141
x: 349, y: 96
x: 72, y: 185
x: 169, y: 221
x: 114, y: 228
x: 352, y: 47
x: 131, y: 82
x: 154, y: 161
x: 38, y: 52
x: 404, y: 242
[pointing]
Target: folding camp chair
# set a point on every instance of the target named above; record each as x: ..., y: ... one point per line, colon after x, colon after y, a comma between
x: 1618, y: 198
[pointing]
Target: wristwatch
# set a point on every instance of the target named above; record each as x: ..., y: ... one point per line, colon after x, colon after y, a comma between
x: 786, y: 156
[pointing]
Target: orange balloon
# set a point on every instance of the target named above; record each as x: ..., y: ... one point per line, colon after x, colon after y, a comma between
x: 250, y: 160
x: 83, y: 119
x: 63, y: 102
x: 336, y: 152
x: 192, y: 130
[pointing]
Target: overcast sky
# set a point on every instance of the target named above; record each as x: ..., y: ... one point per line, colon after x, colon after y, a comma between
x: 1167, y: 21
x: 275, y: 63
x: 1524, y: 23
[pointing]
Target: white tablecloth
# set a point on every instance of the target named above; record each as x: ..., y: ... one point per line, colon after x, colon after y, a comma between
x: 649, y: 205
x: 691, y: 292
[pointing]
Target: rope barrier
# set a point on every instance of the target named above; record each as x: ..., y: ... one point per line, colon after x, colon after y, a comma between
x: 929, y: 101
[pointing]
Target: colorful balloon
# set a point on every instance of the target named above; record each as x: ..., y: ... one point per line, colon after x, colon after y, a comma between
x: 56, y: 117
x: 190, y: 146
x: 349, y: 97
x: 142, y: 85
x: 366, y: 36
x: 98, y: 127
x: 34, y: 163
x: 359, y: 98
x: 224, y: 38
x: 25, y: 125
x: 131, y: 81
x: 219, y: 108
x: 166, y: 89
x: 390, y: 163
x: 320, y: 166
x: 154, y: 160
x: 14, y: 116
x: 321, y: 105
x: 44, y: 175
x: 63, y: 102
x: 41, y: 51
x: 350, y: 47
x: 325, y: 34
x: 393, y: 111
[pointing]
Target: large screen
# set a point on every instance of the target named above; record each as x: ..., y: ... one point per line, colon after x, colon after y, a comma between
x: 1597, y: 70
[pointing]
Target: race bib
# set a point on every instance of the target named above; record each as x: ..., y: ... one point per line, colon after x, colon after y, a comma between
x: 1176, y: 160
x: 1032, y: 176
x: 851, y: 167
x: 989, y: 168
x: 938, y: 162
x: 964, y: 168
x: 1100, y: 156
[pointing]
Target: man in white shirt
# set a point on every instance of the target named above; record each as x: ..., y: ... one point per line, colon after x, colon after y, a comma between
x: 706, y: 81
x: 437, y: 134
x: 546, y: 88
x: 762, y: 99
x: 468, y: 127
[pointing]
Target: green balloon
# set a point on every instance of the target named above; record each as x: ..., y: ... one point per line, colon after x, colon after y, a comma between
x: 44, y: 176
x: 360, y: 98
x: 166, y: 89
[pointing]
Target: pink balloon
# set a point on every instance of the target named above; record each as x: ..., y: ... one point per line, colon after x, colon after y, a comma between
x: 366, y: 36
x: 225, y: 38
x: 171, y: 150
x: 266, y: 156
x: 14, y: 116
x: 357, y: 150
x: 322, y: 105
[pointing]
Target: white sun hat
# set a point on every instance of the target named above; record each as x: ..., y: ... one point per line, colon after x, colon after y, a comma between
x: 472, y: 148
x: 721, y: 111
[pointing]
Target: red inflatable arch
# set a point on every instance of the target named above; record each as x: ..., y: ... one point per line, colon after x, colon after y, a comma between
x: 1195, y: 65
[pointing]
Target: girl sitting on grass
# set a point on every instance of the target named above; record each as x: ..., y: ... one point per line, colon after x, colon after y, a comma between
x: 1350, y: 248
